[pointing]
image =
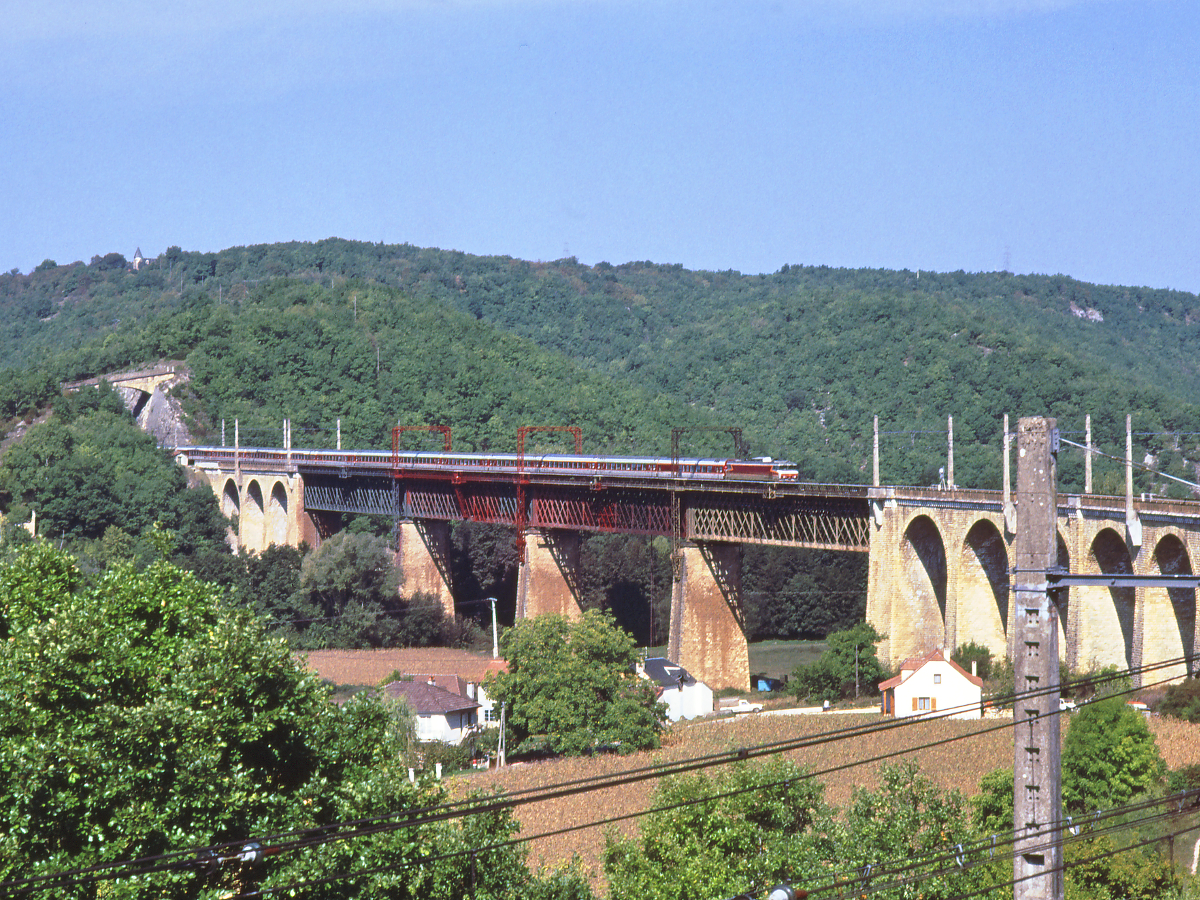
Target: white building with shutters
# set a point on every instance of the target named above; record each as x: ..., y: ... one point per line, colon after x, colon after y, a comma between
x: 932, y: 684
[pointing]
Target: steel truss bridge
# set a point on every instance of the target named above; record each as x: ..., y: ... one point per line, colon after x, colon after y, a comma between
x: 819, y: 516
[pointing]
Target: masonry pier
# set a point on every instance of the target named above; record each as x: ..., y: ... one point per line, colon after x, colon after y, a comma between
x: 423, y: 552
x: 707, y: 621
x: 548, y: 577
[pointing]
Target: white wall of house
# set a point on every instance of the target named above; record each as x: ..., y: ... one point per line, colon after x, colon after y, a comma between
x: 449, y: 728
x: 688, y: 701
x: 489, y: 713
x: 938, y: 686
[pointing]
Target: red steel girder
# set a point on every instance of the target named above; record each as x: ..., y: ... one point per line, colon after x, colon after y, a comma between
x: 633, y: 512
x: 444, y: 429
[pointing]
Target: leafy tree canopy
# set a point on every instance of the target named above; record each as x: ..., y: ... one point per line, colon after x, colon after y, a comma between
x: 740, y: 831
x: 1182, y: 700
x: 744, y: 830
x: 848, y: 665
x: 570, y: 687
x: 90, y: 468
x: 348, y: 593
x: 140, y: 716
x: 1109, y: 757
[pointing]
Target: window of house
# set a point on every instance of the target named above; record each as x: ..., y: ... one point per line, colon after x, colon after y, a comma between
x: 937, y: 678
x: 922, y: 703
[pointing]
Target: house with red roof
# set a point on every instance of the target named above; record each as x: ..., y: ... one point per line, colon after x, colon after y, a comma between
x: 932, y: 685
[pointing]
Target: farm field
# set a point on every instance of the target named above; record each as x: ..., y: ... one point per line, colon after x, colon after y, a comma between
x: 363, y: 668
x: 964, y: 753
x: 367, y: 667
x: 961, y: 752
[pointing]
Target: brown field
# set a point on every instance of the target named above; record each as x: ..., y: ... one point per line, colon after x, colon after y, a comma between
x: 369, y: 667
x: 366, y: 667
x: 962, y: 754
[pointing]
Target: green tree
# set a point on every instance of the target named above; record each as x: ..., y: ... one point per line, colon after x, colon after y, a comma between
x: 849, y: 663
x: 570, y: 687
x: 90, y: 468
x: 1109, y: 757
x: 348, y: 593
x: 140, y: 716
x: 756, y: 825
x: 1182, y: 700
x: 1119, y: 874
x: 741, y: 831
x: 971, y: 652
x: 992, y: 807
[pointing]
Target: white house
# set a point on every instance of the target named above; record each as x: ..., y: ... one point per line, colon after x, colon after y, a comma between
x: 442, y: 715
x: 489, y: 715
x: 929, y: 684
x: 685, y: 696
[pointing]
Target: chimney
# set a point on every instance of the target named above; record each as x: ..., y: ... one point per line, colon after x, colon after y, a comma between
x: 974, y: 663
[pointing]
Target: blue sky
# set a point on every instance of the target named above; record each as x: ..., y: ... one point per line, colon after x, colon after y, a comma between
x: 1049, y: 136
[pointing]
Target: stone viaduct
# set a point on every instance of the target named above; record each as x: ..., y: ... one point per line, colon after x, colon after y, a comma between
x: 938, y: 570
x: 939, y: 577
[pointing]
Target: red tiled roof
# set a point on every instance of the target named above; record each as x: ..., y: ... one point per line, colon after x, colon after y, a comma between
x: 914, y: 663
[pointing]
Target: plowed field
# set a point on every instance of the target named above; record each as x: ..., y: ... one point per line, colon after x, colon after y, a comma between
x: 958, y: 755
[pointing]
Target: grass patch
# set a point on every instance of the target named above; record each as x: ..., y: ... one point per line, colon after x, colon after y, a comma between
x: 777, y: 659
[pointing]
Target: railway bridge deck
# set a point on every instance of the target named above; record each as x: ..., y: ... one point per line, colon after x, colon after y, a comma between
x: 938, y: 559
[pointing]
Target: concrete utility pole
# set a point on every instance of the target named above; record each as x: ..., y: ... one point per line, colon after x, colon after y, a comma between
x: 1010, y: 508
x: 875, y: 466
x: 495, y: 630
x: 1087, y: 457
x: 1037, y: 785
x: 950, y: 453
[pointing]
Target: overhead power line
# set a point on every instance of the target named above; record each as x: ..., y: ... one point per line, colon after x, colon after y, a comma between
x: 1137, y: 465
x: 370, y: 826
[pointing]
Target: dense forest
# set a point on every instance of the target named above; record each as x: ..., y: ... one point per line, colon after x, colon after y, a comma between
x: 801, y: 359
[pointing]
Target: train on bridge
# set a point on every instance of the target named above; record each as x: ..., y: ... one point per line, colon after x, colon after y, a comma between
x: 762, y: 468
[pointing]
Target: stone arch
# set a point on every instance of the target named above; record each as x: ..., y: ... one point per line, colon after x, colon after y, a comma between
x: 1168, y: 615
x: 250, y: 525
x: 983, y: 597
x: 1062, y: 599
x: 1104, y: 632
x: 921, y: 607
x: 277, y: 513
x: 230, y: 501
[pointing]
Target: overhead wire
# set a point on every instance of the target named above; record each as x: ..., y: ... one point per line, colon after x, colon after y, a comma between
x: 835, y: 885
x: 958, y: 857
x: 1065, y: 866
x: 326, y: 833
x: 1137, y: 465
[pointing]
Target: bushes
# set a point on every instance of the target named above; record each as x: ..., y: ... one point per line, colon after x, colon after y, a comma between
x: 1182, y: 701
x: 847, y: 668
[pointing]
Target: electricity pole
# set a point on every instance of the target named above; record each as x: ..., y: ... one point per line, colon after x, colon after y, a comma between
x: 1037, y: 783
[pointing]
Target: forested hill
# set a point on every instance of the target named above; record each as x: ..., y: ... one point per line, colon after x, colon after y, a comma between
x: 801, y: 358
